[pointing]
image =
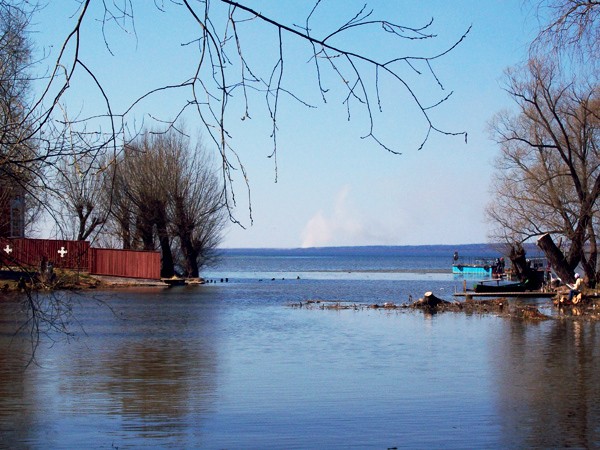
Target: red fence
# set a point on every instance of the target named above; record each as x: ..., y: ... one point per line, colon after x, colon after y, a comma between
x: 78, y: 255
x: 125, y: 263
x: 61, y: 253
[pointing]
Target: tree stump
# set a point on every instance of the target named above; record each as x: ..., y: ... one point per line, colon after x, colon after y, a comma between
x: 431, y: 301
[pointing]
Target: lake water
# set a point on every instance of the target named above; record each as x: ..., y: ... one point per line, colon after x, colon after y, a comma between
x: 233, y: 365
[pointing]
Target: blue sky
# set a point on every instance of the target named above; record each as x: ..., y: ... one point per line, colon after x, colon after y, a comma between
x: 333, y: 188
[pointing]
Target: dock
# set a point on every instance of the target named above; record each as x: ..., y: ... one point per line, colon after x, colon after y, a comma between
x: 529, y: 294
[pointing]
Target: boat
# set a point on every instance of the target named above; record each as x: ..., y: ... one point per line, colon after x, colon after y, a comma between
x: 499, y: 287
x: 477, y: 266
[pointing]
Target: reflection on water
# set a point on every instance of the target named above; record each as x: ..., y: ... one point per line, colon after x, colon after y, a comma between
x: 142, y: 374
x: 549, y: 389
x: 230, y: 366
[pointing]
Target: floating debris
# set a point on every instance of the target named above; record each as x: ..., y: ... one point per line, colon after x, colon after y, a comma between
x: 431, y: 304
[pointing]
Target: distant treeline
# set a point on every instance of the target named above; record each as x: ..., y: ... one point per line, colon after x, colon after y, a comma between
x: 471, y: 250
x: 464, y: 250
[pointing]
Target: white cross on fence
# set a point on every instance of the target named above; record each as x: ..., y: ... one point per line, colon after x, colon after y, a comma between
x: 62, y: 252
x: 8, y: 250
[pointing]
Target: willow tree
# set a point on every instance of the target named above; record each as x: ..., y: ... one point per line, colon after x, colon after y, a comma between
x: 168, y: 195
x: 572, y: 29
x: 144, y: 172
x: 198, y: 205
x: 547, y: 183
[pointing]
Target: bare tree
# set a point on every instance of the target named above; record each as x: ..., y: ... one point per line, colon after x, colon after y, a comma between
x: 18, y: 168
x: 573, y: 30
x: 144, y: 175
x: 548, y: 179
x: 32, y: 139
x: 27, y: 137
x: 172, y: 196
x: 198, y: 205
x: 15, y: 85
x: 23, y: 160
x: 77, y: 188
x: 120, y: 220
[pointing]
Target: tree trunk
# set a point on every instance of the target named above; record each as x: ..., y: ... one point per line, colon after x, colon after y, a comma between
x: 167, y: 269
x: 531, y: 278
x: 519, y: 262
x: 125, y: 234
x: 144, y: 232
x: 190, y: 254
x: 590, y: 262
x: 193, y: 269
x: 556, y: 258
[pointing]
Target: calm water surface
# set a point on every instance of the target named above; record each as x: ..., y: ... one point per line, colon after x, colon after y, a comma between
x: 232, y: 365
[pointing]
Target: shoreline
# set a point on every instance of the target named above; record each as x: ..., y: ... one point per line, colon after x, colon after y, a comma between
x: 73, y: 281
x: 588, y: 309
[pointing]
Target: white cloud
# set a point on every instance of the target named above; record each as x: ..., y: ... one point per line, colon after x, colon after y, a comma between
x: 344, y: 226
x: 409, y: 214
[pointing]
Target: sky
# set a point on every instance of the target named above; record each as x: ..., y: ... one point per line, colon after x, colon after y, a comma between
x: 329, y: 186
